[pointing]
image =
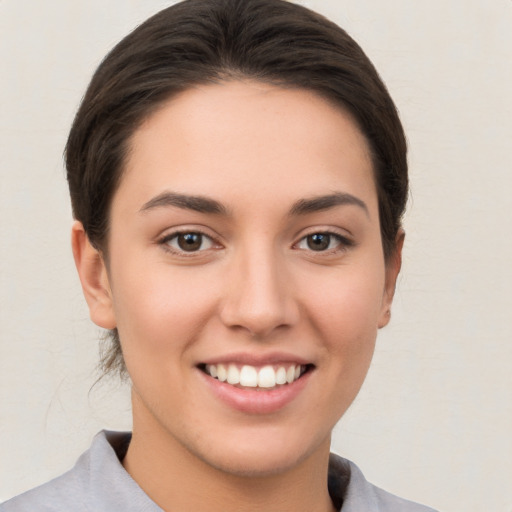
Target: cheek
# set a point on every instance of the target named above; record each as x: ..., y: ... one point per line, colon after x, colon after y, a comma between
x: 345, y: 313
x: 348, y: 328
x: 347, y: 304
x: 158, y: 310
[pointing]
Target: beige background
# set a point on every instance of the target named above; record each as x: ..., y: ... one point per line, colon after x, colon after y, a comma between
x: 434, y: 419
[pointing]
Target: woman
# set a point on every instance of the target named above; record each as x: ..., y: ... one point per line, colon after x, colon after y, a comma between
x: 238, y: 174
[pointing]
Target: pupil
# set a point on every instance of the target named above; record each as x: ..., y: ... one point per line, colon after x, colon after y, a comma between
x: 190, y: 241
x: 318, y: 242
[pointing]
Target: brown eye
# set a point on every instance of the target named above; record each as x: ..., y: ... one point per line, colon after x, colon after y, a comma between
x: 323, y: 242
x: 318, y: 241
x: 189, y: 242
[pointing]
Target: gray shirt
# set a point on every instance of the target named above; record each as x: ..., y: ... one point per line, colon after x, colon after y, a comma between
x: 99, y: 483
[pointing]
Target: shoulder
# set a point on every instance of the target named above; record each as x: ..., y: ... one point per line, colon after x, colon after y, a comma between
x: 62, y: 493
x: 359, y: 494
x: 97, y: 483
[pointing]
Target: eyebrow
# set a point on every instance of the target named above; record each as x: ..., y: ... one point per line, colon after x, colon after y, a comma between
x: 203, y: 204
x: 199, y: 204
x: 321, y: 203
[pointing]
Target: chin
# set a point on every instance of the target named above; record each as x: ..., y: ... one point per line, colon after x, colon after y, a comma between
x: 263, y: 457
x: 254, y: 465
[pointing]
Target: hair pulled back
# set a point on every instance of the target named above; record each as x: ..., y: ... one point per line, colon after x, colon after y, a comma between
x: 209, y: 41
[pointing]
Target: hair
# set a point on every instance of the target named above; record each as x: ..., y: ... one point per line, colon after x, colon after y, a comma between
x: 210, y: 41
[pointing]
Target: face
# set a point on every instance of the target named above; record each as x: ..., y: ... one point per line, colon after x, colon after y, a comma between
x: 246, y: 275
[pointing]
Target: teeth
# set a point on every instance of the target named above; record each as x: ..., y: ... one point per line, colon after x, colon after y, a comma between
x: 281, y: 375
x: 233, y: 374
x: 249, y: 376
x: 267, y: 377
x: 221, y: 372
x: 213, y: 371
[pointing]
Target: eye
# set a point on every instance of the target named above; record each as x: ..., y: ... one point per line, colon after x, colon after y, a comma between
x: 319, y: 242
x: 188, y: 242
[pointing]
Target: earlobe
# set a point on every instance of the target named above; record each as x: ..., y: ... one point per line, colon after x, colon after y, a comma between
x: 392, y: 270
x: 93, y: 277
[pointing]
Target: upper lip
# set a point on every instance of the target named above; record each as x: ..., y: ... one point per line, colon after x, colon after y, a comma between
x: 272, y: 358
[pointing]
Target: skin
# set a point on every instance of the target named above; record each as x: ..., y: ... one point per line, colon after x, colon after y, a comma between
x: 254, y: 288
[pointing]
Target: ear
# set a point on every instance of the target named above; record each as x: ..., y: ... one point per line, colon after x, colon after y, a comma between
x: 393, y: 266
x: 94, y: 278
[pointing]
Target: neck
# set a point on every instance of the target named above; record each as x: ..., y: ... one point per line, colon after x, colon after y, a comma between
x: 176, y: 479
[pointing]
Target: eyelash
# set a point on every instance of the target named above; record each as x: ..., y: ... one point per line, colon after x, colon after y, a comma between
x: 165, y: 242
x: 342, y: 243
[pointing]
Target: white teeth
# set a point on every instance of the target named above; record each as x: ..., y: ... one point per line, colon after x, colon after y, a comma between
x: 267, y: 377
x: 281, y: 375
x: 222, y: 374
x: 233, y: 374
x: 249, y: 376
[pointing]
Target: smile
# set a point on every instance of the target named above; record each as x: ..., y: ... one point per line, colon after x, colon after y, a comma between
x: 265, y: 377
x: 263, y: 387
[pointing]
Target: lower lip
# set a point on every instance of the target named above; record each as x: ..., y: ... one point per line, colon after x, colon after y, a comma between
x: 256, y: 402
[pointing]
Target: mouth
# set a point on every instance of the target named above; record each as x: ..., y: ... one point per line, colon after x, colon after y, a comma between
x: 258, y: 378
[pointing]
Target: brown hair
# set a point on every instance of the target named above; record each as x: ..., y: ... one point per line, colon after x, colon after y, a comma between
x: 208, y: 41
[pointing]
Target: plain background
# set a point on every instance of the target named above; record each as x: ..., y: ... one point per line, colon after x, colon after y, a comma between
x: 434, y: 420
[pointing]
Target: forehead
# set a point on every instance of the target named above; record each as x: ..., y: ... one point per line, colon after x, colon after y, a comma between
x: 239, y: 137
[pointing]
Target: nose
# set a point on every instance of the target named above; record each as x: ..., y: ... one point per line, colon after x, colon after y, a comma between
x: 259, y: 296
